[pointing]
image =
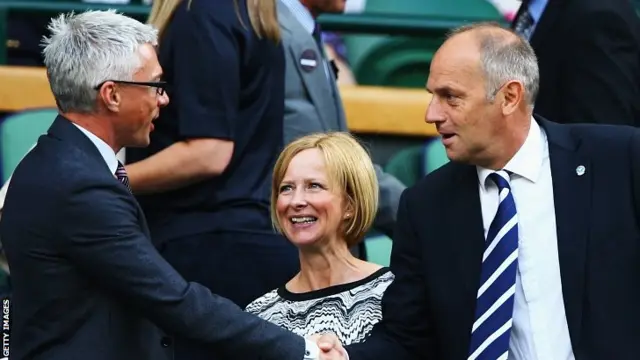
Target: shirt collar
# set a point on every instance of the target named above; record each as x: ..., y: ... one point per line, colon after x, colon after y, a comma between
x: 301, y: 14
x: 527, y: 162
x: 105, y: 150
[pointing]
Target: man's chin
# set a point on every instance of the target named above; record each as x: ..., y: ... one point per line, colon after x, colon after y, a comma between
x: 139, y: 143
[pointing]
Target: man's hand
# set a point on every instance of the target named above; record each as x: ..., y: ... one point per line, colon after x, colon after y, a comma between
x: 330, y: 347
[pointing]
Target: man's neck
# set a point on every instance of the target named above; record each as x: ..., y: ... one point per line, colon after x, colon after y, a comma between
x: 306, y: 4
x: 96, y: 125
x: 515, y: 134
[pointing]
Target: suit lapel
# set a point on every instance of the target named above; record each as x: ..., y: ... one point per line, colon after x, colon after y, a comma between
x: 468, y: 238
x: 302, y: 45
x: 572, y: 198
x: 340, y: 119
x: 315, y: 81
x: 545, y: 25
x: 63, y: 129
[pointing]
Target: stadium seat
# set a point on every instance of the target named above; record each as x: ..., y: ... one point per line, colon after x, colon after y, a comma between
x: 434, y: 155
x: 404, y: 61
x: 18, y: 133
x: 378, y: 248
x: 407, y: 165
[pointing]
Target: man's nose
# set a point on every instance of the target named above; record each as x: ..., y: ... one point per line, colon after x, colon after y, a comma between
x: 163, y: 100
x: 434, y: 112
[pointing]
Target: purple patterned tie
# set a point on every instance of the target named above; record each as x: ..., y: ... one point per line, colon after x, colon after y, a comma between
x: 121, y: 174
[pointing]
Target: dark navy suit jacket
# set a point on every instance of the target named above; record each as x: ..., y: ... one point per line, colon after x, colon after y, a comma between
x: 428, y: 311
x: 87, y: 281
x: 589, y: 58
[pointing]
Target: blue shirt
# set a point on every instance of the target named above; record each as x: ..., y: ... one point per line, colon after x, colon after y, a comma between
x: 536, y: 8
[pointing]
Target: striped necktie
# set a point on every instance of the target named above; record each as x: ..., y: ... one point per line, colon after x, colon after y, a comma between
x: 494, y: 306
x: 121, y: 174
x: 524, y: 24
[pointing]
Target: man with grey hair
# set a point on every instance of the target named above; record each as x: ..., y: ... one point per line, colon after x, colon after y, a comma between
x: 87, y: 280
x: 526, y: 245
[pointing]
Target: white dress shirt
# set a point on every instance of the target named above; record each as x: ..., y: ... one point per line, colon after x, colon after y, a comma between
x: 105, y: 150
x: 540, y: 330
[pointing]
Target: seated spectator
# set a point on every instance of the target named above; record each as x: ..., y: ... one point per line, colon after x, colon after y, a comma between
x: 324, y: 199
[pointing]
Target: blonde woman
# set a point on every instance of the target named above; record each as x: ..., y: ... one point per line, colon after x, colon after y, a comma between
x: 324, y: 199
x: 204, y: 181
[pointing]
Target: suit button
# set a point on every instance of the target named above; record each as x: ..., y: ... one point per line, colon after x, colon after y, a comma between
x: 165, y: 341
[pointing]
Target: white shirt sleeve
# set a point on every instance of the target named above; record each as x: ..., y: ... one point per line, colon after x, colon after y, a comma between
x: 312, y: 351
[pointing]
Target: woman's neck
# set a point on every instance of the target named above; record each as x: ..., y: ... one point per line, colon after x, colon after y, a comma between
x: 331, y: 266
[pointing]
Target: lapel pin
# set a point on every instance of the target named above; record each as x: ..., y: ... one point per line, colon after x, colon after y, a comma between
x: 309, y: 60
x: 580, y: 170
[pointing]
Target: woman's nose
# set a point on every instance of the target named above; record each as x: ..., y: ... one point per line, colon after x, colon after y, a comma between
x: 299, y: 199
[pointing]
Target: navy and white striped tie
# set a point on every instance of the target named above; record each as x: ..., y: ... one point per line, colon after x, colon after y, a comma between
x: 494, y: 307
x: 121, y: 174
x: 524, y: 24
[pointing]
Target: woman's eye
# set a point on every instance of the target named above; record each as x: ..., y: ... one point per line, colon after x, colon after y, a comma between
x: 315, y: 186
x: 285, y: 188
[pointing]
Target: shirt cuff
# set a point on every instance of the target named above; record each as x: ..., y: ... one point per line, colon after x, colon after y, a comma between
x: 311, y: 351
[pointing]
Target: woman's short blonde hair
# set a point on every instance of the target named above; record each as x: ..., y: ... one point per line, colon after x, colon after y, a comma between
x: 349, y: 168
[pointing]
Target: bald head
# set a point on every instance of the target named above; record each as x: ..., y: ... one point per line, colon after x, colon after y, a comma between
x: 501, y: 54
x: 484, y: 30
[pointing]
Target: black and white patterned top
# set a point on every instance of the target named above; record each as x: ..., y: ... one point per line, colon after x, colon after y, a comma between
x: 347, y: 310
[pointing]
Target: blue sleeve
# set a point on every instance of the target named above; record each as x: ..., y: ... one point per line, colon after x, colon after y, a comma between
x: 207, y: 74
x: 108, y: 246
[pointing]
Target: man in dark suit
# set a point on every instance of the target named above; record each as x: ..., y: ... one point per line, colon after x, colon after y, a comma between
x: 312, y: 98
x: 589, y: 57
x: 87, y: 280
x: 526, y: 245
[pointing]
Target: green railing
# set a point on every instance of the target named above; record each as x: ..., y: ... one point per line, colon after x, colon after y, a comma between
x: 381, y: 24
x: 407, y: 25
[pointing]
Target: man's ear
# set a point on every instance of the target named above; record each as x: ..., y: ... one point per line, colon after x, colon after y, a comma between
x: 110, y: 96
x: 512, y: 97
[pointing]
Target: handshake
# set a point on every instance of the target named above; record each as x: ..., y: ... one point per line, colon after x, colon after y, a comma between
x: 330, y: 347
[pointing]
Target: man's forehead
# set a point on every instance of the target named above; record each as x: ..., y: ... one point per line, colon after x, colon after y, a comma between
x: 149, y: 63
x: 454, y: 70
x: 449, y: 78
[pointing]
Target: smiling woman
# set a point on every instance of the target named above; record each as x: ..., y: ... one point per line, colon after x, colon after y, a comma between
x: 324, y: 199
x: 335, y: 176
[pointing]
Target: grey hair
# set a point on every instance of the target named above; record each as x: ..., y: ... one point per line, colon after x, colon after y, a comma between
x: 87, y: 49
x: 505, y: 56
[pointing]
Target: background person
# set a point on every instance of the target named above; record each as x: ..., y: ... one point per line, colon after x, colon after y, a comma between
x: 204, y: 180
x: 312, y: 101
